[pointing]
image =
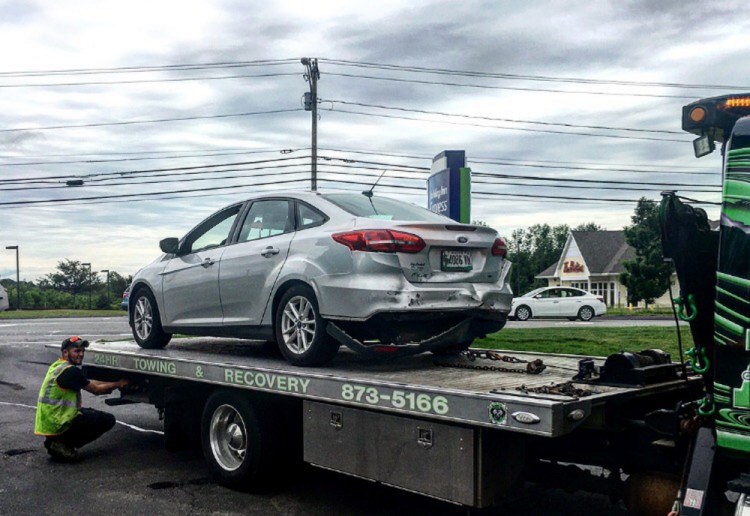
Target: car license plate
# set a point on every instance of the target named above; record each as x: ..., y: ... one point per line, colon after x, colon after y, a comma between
x: 456, y: 260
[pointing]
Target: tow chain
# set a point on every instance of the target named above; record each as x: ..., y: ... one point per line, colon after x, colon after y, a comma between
x: 563, y: 389
x: 532, y: 367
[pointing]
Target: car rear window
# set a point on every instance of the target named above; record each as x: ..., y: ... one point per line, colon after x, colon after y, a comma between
x: 383, y: 208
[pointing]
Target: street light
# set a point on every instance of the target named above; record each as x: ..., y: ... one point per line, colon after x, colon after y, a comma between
x: 109, y: 299
x: 18, y: 278
x: 89, y: 266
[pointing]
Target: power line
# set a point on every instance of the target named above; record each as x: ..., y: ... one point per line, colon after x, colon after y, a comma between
x: 518, y: 162
x: 147, y: 158
x: 510, y: 88
x: 124, y: 196
x: 360, y: 64
x: 524, y: 129
x: 525, y: 77
x: 498, y: 194
x: 148, y: 170
x: 155, y: 68
x: 143, y: 81
x: 498, y: 119
x: 152, y: 121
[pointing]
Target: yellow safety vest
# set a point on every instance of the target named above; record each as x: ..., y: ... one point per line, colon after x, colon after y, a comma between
x: 56, y: 407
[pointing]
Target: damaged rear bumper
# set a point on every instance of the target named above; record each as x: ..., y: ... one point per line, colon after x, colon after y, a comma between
x: 358, y: 302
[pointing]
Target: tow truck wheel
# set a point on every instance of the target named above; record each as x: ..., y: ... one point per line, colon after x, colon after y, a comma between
x: 145, y: 321
x: 300, y: 331
x: 523, y: 313
x: 586, y: 313
x: 238, y: 444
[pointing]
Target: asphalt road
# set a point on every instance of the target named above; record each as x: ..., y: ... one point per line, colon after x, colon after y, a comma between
x: 128, y: 471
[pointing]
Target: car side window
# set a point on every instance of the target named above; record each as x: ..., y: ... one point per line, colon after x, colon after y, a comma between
x: 572, y: 293
x: 265, y: 219
x: 551, y: 293
x: 309, y: 217
x: 212, y: 233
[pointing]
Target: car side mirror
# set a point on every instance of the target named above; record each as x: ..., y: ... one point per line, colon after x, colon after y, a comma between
x: 170, y: 245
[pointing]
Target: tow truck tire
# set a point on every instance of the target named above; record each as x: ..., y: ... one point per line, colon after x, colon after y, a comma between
x: 523, y: 313
x: 586, y: 313
x: 238, y: 441
x: 301, y: 331
x: 145, y: 321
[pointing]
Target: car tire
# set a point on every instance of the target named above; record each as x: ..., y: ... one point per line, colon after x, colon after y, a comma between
x: 146, y: 323
x: 523, y: 313
x: 586, y: 313
x: 238, y: 440
x: 301, y: 331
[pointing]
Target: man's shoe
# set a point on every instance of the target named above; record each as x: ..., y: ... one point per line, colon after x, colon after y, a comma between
x: 62, y: 452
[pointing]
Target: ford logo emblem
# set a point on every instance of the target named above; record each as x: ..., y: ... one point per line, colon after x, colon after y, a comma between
x: 462, y: 240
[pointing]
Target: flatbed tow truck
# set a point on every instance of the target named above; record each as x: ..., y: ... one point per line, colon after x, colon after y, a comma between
x: 466, y: 428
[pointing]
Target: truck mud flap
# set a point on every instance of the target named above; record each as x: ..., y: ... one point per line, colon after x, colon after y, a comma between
x: 451, y: 336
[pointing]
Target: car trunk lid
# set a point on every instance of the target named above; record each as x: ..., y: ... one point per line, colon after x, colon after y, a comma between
x: 453, y: 253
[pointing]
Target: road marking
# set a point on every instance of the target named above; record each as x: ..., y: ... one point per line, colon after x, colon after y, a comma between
x: 16, y: 405
x: 139, y: 429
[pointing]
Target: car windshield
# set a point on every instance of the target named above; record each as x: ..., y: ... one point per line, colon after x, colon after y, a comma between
x: 383, y: 208
x: 533, y: 292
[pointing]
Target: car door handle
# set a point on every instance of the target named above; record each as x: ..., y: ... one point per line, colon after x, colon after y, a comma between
x: 208, y: 262
x: 269, y: 251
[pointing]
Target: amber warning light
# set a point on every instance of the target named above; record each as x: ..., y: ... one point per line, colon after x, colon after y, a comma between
x: 698, y: 114
x: 737, y: 102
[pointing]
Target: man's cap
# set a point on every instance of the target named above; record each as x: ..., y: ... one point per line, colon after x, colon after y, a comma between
x: 74, y: 342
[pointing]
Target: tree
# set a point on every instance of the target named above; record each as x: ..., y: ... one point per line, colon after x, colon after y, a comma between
x: 588, y: 226
x: 647, y: 277
x: 72, y: 277
x: 532, y: 250
x: 536, y: 248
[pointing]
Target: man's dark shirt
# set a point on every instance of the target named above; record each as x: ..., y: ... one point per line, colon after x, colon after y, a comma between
x: 72, y: 379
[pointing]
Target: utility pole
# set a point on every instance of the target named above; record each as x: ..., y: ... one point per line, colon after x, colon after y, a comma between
x: 18, y: 277
x: 90, y: 283
x: 109, y: 300
x: 311, y: 104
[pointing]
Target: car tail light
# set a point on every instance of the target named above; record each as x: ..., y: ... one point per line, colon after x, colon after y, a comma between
x: 499, y: 248
x: 600, y: 298
x: 380, y: 241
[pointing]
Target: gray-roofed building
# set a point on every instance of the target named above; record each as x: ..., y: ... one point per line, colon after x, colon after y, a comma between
x: 592, y: 260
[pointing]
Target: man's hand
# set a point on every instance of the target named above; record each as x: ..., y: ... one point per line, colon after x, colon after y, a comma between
x: 97, y: 387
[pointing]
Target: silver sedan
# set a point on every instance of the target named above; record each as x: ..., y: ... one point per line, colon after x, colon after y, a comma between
x: 313, y: 271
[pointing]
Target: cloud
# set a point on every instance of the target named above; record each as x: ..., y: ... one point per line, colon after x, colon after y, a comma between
x: 628, y: 41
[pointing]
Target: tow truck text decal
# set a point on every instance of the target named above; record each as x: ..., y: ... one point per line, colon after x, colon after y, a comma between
x: 266, y: 380
x: 406, y: 400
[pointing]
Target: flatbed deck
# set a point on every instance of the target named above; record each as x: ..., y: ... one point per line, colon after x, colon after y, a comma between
x: 415, y: 386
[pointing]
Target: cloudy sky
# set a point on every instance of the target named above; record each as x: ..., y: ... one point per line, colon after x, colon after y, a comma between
x: 167, y: 111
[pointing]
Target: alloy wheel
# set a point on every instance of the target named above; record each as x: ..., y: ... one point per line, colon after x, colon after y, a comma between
x: 143, y: 318
x: 298, y: 324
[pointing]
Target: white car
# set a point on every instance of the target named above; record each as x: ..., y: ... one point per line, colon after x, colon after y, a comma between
x: 4, y: 302
x: 569, y: 302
